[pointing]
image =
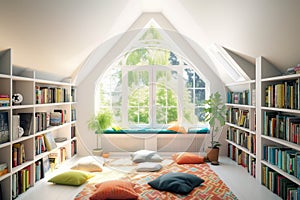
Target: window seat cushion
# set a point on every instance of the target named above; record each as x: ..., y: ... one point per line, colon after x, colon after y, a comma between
x: 157, y: 131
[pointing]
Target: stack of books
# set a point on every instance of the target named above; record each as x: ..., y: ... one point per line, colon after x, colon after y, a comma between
x: 4, y: 100
x: 3, y: 168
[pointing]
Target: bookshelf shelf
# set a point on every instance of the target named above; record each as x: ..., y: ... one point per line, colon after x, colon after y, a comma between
x: 241, y: 148
x: 277, y: 169
x: 240, y: 83
x: 19, y: 167
x: 241, y: 128
x: 280, y: 78
x: 281, y: 110
x: 5, y: 176
x: 240, y: 106
x: 52, y: 104
x: 282, y: 142
x: 15, y: 107
x: 40, y: 81
x: 60, y: 101
x: 21, y: 78
x: 6, y: 144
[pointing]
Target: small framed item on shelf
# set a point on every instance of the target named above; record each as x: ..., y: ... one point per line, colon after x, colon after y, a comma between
x: 4, y: 127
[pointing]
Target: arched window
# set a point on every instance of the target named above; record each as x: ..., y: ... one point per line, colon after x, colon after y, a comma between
x: 151, y: 86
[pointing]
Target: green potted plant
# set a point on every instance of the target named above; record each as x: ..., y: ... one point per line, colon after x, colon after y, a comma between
x: 98, y: 123
x: 215, y: 111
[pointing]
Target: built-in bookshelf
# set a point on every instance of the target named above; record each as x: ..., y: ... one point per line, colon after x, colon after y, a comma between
x: 278, y: 128
x: 240, y: 122
x: 38, y: 123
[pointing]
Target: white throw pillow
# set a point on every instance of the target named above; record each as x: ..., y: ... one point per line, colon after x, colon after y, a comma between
x: 145, y: 156
x: 89, y: 163
x: 148, y: 167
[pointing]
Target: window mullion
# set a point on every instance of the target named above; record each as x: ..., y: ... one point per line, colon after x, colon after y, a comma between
x: 180, y: 100
x: 125, y: 97
x: 152, y: 99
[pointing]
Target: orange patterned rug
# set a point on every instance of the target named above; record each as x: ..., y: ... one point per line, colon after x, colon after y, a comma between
x: 213, y: 187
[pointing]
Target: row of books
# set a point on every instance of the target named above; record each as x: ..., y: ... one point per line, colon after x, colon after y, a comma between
x: 242, y: 158
x: 73, y: 131
x: 58, y: 117
x: 46, y: 119
x: 279, y: 184
x: 73, y: 114
x: 4, y: 100
x: 286, y: 159
x: 73, y: 95
x: 18, y: 154
x: 51, y: 95
x: 246, y: 161
x: 73, y: 147
x: 42, y: 120
x: 281, y: 126
x: 242, y: 138
x: 239, y: 97
x: 40, y: 146
x: 50, y: 162
x: 238, y: 116
x: 20, y: 181
x: 284, y: 95
x: 57, y: 158
x: 39, y: 170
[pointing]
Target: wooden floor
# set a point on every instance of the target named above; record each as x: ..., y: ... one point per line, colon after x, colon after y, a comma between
x: 237, y: 179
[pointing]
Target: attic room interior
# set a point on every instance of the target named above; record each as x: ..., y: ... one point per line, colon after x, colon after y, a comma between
x: 131, y: 99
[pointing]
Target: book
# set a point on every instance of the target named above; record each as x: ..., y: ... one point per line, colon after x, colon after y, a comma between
x: 26, y: 122
x: 38, y: 170
x: 53, y: 160
x: 49, y: 141
x: 1, y: 192
x: 63, y: 154
x: 15, y: 186
x: 15, y: 126
x: 46, y: 166
x: 4, y: 127
x: 73, y: 131
x: 73, y: 148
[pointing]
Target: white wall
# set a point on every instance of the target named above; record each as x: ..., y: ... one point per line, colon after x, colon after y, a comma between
x: 86, y: 88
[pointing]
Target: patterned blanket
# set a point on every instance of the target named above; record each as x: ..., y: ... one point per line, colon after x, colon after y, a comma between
x: 212, y: 189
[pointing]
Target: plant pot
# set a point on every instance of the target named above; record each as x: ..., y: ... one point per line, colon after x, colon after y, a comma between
x: 213, y: 154
x: 98, y: 152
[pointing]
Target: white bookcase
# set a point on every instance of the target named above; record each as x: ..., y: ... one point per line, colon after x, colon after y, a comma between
x: 240, y: 122
x: 277, y: 103
x: 25, y: 82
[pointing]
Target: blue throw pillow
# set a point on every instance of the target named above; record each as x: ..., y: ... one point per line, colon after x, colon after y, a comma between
x: 176, y: 182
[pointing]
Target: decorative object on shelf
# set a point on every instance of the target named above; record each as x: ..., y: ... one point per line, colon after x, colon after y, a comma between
x: 17, y: 99
x: 60, y: 139
x: 215, y: 111
x: 98, y: 123
x: 26, y: 122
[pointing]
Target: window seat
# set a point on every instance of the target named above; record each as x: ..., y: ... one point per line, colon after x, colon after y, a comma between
x: 155, y: 131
